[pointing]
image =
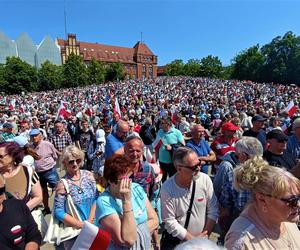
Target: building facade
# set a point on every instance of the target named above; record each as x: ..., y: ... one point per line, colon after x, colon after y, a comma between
x: 139, y: 62
x: 24, y: 48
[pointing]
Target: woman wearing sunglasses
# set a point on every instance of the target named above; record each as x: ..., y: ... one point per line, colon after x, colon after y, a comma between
x: 269, y: 220
x: 123, y: 209
x: 82, y: 186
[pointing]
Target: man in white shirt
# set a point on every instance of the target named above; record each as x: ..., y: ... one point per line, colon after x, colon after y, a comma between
x: 176, y: 195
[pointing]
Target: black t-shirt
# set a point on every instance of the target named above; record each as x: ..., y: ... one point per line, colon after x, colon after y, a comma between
x: 17, y: 226
x: 260, y: 135
x: 250, y: 133
x: 147, y: 134
x: 84, y: 139
x: 285, y: 160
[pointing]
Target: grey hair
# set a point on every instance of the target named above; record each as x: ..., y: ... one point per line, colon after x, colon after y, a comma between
x: 249, y: 145
x: 180, y: 154
x: 133, y: 137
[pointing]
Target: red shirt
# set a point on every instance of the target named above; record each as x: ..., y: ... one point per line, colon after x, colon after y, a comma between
x: 221, y: 147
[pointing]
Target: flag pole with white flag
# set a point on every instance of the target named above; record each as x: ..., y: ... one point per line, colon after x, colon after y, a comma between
x: 117, y: 107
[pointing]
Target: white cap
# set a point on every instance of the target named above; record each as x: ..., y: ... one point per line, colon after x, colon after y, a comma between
x: 100, y: 135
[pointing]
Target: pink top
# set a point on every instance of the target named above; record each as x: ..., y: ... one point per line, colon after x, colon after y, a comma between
x: 48, y: 153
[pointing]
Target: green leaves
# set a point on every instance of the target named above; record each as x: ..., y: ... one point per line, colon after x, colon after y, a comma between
x: 114, y: 72
x: 19, y: 76
x: 209, y: 66
x: 277, y: 61
x: 75, y: 72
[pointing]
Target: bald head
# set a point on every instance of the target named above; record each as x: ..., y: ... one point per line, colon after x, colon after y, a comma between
x: 122, y: 129
x: 197, y: 131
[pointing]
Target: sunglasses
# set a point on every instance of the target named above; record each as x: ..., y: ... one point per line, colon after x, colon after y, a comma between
x: 2, y: 156
x: 292, y: 201
x: 2, y: 190
x: 78, y: 161
x: 194, y: 168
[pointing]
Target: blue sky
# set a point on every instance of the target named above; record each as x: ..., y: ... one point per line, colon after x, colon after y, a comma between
x: 173, y: 29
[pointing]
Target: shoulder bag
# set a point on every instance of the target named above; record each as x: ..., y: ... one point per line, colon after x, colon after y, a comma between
x: 169, y: 242
x: 57, y: 231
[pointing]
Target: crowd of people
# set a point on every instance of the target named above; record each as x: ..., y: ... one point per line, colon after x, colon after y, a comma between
x: 154, y: 163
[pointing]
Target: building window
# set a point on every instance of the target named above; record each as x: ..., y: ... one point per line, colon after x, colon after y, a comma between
x: 150, y: 71
x: 144, y: 68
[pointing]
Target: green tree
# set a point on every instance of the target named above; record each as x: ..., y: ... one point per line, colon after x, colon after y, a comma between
x: 211, y: 66
x: 248, y: 64
x: 282, y: 59
x: 227, y: 72
x: 3, y: 82
x: 114, y: 72
x: 192, y: 68
x: 74, y: 72
x: 175, y: 68
x: 19, y: 76
x: 96, y: 72
x: 49, y: 76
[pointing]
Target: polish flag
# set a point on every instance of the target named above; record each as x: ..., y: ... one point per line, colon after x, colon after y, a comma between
x: 157, y: 143
x: 117, y: 107
x: 62, y: 111
x: 89, y: 111
x: 91, y: 237
x: 291, y: 109
x: 22, y: 108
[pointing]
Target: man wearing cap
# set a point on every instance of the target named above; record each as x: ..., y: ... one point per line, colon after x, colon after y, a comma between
x: 226, y: 142
x: 7, y: 134
x: 293, y: 144
x: 60, y: 138
x: 45, y: 167
x: 256, y: 129
x: 276, y: 154
x: 96, y: 152
x: 201, y: 147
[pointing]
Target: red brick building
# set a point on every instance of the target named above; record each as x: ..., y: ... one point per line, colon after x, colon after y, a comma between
x: 139, y: 62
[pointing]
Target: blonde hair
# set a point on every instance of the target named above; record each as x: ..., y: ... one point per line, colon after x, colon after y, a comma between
x: 71, y: 152
x: 258, y: 176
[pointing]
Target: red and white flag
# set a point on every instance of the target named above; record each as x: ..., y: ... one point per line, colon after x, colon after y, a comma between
x: 62, y: 111
x: 158, y: 142
x: 91, y: 237
x: 22, y: 108
x: 89, y: 111
x: 291, y: 109
x: 117, y: 107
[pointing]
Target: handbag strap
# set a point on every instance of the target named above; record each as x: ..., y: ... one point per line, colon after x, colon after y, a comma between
x: 66, y: 185
x: 187, y: 220
x: 70, y: 200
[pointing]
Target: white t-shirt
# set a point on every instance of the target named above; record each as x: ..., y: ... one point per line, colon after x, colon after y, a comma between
x: 28, y: 161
